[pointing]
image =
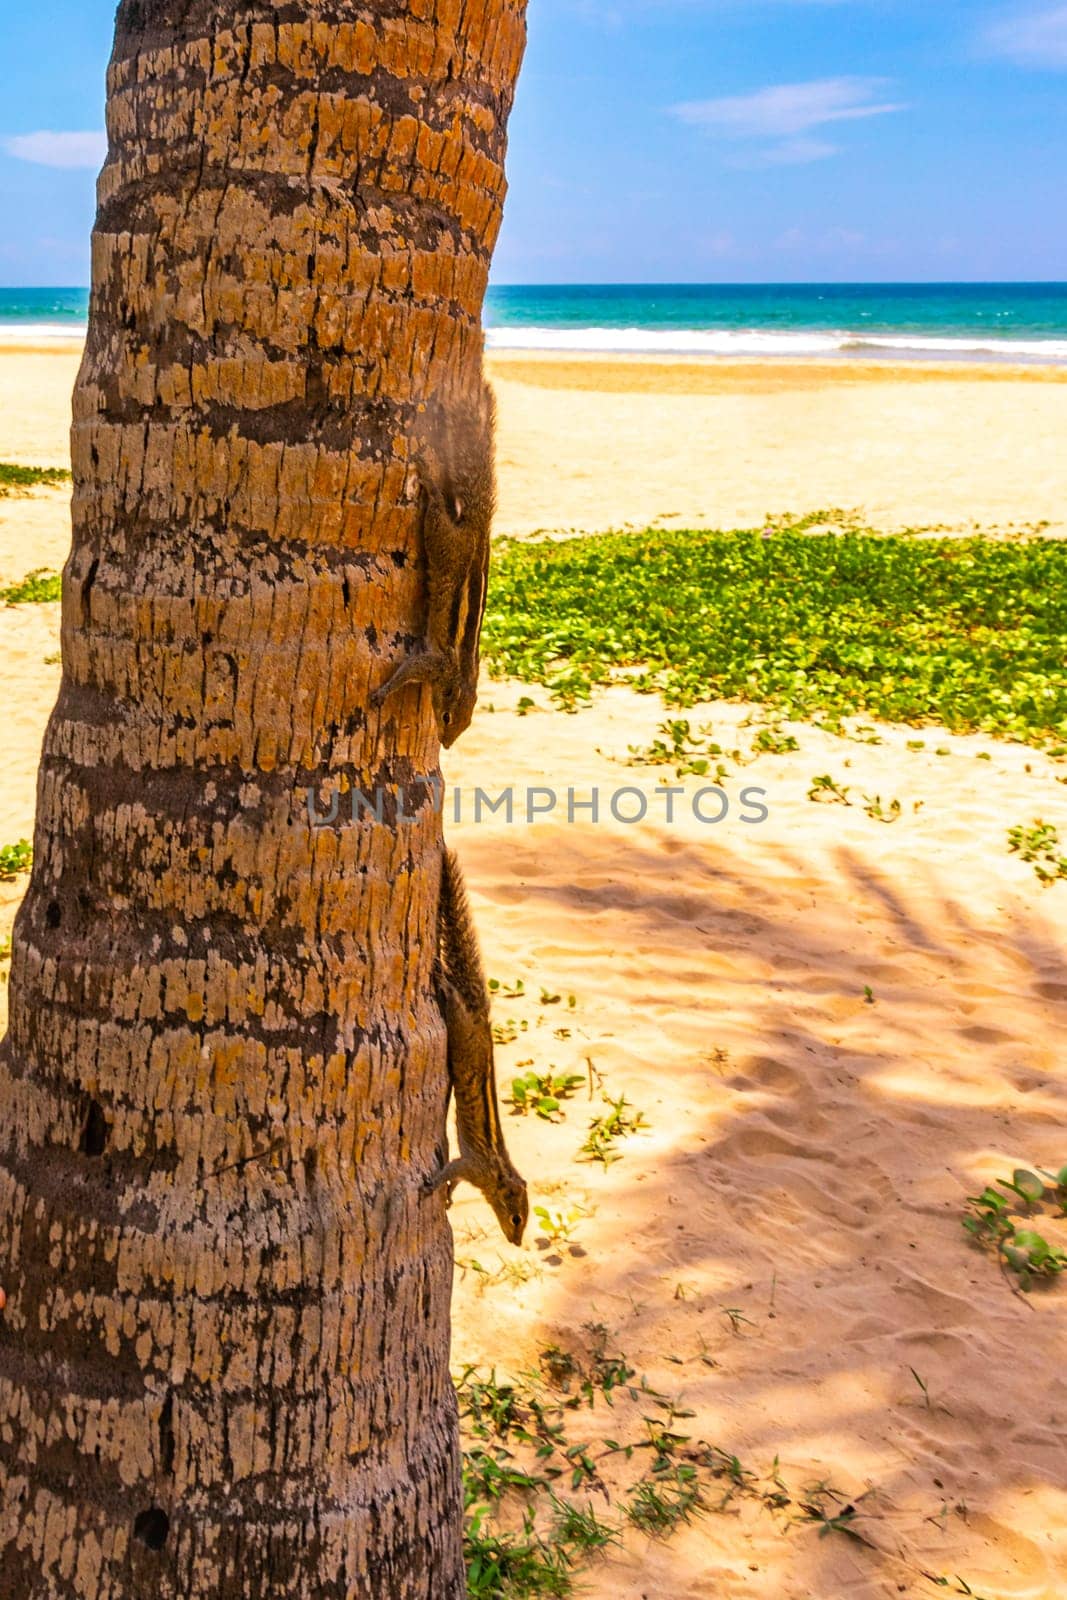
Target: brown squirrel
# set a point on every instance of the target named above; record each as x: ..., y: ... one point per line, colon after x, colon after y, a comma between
x: 483, y: 1159
x: 460, y: 501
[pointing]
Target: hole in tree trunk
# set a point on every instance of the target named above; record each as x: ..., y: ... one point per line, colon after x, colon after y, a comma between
x: 53, y: 914
x: 166, y: 1435
x: 94, y: 1133
x: 151, y: 1527
x: 87, y: 587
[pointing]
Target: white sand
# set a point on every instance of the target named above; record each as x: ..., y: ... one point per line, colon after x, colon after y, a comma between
x: 597, y: 444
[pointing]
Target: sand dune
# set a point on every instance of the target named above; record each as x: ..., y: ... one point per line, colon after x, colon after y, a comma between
x: 808, y: 1148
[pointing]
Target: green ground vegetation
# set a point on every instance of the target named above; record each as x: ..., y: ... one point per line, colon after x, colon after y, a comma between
x: 36, y: 586
x: 970, y: 633
x: 15, y: 477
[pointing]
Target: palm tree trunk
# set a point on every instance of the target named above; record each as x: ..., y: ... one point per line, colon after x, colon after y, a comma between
x: 224, y: 1353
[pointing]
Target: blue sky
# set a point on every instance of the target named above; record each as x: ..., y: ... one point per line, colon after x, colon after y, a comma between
x: 677, y: 140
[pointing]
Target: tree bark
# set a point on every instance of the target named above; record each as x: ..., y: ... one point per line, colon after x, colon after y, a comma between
x: 224, y: 1353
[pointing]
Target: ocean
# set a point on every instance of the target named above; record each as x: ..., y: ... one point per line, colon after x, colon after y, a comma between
x: 1023, y: 322
x: 42, y: 313
x: 943, y: 321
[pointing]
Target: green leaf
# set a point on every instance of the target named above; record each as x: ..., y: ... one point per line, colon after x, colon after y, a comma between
x: 1037, y: 1247
x: 1028, y: 1184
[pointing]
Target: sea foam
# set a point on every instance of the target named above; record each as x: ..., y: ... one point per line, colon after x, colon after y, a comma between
x: 693, y: 341
x: 37, y: 332
x: 762, y: 342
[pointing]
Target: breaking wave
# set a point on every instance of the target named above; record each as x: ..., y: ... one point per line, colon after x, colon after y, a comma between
x: 763, y: 342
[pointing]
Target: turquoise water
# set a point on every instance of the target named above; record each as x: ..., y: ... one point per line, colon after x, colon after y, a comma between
x: 1008, y: 321
x: 44, y: 313
x: 1013, y: 321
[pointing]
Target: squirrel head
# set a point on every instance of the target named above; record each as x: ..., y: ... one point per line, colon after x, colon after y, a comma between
x: 453, y: 706
x: 511, y: 1206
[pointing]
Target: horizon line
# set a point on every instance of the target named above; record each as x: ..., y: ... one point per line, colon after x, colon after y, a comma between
x: 692, y: 283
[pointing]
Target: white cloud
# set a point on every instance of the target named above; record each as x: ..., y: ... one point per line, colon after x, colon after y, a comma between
x: 1033, y: 38
x: 790, y: 153
x: 48, y: 149
x: 785, y: 115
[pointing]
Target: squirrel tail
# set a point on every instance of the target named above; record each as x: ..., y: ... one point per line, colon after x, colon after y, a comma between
x: 460, y: 953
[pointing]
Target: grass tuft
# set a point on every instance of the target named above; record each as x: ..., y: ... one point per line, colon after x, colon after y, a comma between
x: 15, y: 858
x: 37, y: 586
x: 13, y: 476
x: 1039, y: 844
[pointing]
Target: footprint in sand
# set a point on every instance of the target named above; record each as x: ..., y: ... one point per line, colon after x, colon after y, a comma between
x: 765, y: 1143
x: 796, y: 1106
x: 921, y: 1306
x: 979, y: 1034
x: 939, y: 1436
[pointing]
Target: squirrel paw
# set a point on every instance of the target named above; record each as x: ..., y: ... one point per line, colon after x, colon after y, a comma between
x: 447, y: 1179
x: 423, y: 666
x: 434, y: 1184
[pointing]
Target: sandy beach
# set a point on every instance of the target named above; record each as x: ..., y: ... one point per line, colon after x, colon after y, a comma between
x: 601, y: 443
x: 596, y: 444
x: 835, y: 1029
